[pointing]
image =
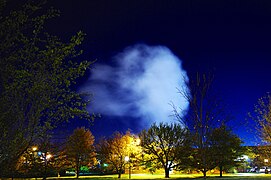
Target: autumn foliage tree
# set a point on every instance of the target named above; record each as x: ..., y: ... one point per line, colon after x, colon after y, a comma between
x: 262, y: 117
x: 37, y: 73
x: 114, y: 150
x: 167, y: 146
x: 79, y: 149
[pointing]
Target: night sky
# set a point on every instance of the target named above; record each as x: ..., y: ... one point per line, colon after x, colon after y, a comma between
x: 232, y: 39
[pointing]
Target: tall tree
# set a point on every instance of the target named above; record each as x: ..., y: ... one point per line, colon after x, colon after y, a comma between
x: 262, y: 116
x: 167, y: 146
x: 116, y: 150
x: 79, y: 148
x: 37, y: 73
x: 205, y: 113
x: 227, y: 148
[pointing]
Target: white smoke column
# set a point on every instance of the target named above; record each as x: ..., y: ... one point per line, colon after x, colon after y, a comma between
x: 141, y: 83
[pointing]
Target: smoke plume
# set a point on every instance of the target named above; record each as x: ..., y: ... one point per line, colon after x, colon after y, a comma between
x: 140, y: 83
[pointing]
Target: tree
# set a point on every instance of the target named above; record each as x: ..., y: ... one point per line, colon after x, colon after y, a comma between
x: 28, y: 161
x: 37, y: 74
x: 260, y: 156
x: 205, y: 113
x: 262, y: 116
x: 226, y: 148
x: 79, y: 148
x: 38, y: 160
x: 167, y: 146
x: 116, y: 150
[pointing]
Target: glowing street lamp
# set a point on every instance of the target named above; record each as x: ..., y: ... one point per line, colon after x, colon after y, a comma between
x: 34, y: 148
x: 34, y: 154
x: 126, y: 158
x: 138, y: 141
x: 48, y: 156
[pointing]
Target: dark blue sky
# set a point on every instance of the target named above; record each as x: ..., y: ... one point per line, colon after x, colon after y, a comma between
x: 230, y: 38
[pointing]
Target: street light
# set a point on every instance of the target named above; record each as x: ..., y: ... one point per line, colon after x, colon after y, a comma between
x: 138, y: 141
x: 48, y: 156
x: 34, y: 154
x: 265, y: 162
x: 34, y: 148
x: 127, y: 159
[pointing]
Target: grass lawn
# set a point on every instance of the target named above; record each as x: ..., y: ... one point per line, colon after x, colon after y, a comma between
x: 241, y: 176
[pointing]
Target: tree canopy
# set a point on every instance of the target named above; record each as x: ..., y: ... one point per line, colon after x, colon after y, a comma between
x: 226, y: 149
x: 262, y: 117
x: 79, y: 149
x: 167, y: 146
x: 37, y: 73
x: 117, y: 150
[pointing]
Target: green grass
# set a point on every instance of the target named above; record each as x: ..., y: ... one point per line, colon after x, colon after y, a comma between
x: 240, y: 176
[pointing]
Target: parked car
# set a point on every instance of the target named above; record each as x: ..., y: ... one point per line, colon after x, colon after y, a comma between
x: 266, y: 170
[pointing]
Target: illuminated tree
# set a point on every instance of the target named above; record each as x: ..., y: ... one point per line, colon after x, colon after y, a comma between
x: 260, y: 155
x: 226, y: 148
x: 167, y: 146
x: 37, y: 160
x: 27, y: 162
x: 36, y: 78
x: 79, y: 149
x: 262, y: 116
x: 60, y: 163
x: 204, y: 115
x: 117, y: 151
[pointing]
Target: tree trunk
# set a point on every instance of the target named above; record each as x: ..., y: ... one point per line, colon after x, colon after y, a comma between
x: 77, y: 168
x: 220, y: 169
x: 45, y: 173
x: 45, y: 168
x: 204, y: 173
x: 119, y: 176
x: 77, y: 171
x: 166, y: 172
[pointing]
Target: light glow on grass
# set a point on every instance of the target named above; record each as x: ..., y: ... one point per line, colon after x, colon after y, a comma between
x: 241, y: 176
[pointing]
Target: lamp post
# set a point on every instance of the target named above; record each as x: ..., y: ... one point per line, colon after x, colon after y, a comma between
x: 34, y: 149
x: 131, y: 150
x: 127, y: 160
x: 46, y: 157
x: 265, y: 163
x: 34, y: 157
